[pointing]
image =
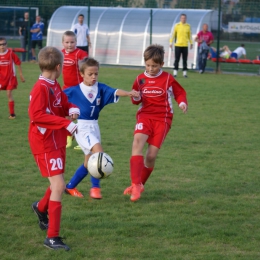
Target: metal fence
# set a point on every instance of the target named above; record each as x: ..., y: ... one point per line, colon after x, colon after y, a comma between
x: 239, y: 20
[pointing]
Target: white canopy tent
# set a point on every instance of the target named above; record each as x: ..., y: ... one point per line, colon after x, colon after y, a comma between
x: 119, y: 36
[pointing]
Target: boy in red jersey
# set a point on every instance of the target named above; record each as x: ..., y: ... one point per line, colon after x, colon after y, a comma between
x: 154, y: 117
x: 72, y: 56
x: 8, y: 80
x: 70, y: 71
x: 48, y: 109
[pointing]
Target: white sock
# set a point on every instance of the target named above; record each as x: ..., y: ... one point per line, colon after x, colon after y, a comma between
x: 175, y: 72
x: 184, y: 72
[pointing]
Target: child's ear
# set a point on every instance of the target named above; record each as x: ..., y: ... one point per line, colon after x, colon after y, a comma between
x: 81, y: 74
x: 58, y: 67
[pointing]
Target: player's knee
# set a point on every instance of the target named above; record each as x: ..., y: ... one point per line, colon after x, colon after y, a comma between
x: 137, y: 148
x: 150, y: 159
x: 59, y: 187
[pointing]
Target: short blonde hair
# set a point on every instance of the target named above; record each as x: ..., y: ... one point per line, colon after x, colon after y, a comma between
x: 154, y: 52
x: 69, y: 33
x: 49, y: 57
x: 87, y: 62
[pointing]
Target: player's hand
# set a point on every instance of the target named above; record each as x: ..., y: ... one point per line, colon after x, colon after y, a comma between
x: 22, y: 78
x: 191, y: 46
x: 135, y: 94
x: 171, y: 46
x: 74, y: 117
x: 183, y: 107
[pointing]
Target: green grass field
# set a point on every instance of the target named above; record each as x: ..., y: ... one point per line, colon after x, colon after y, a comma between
x: 201, y: 202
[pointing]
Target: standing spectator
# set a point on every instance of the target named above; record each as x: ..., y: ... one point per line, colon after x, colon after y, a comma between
x: 182, y: 36
x: 82, y: 32
x: 37, y: 33
x: 204, y: 39
x: 8, y: 80
x: 23, y: 32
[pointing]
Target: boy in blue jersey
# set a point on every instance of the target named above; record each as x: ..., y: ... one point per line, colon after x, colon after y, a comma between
x: 91, y: 97
x: 37, y: 33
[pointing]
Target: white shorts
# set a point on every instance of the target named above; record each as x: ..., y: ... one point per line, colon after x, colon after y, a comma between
x: 88, y: 135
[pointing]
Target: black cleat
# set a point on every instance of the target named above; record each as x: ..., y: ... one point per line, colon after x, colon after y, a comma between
x: 43, y: 217
x: 55, y: 243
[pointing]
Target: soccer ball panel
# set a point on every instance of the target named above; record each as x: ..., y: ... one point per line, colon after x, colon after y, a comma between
x: 100, y: 165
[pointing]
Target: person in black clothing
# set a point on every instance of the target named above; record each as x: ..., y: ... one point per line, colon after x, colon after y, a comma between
x: 23, y: 32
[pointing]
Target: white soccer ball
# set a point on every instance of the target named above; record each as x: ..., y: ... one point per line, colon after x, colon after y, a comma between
x: 100, y: 165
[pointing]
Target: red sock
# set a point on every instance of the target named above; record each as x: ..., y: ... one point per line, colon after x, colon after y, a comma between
x: 146, y: 172
x: 136, y: 166
x: 11, y: 107
x: 54, y: 218
x: 44, y: 202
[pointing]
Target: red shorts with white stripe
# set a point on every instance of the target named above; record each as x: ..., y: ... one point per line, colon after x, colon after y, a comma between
x: 156, y: 130
x: 12, y: 84
x: 51, y: 163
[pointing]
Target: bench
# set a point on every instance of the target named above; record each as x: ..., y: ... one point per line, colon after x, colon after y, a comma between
x: 240, y: 61
x: 18, y: 49
x: 245, y: 61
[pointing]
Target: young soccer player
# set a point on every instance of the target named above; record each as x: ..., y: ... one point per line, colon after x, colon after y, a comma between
x: 8, y: 80
x: 91, y: 97
x: 48, y: 109
x: 154, y: 117
x: 70, y: 71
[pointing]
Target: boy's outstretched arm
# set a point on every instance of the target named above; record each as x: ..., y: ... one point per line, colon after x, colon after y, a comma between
x: 123, y: 93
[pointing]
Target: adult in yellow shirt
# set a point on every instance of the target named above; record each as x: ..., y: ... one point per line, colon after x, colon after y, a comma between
x: 182, y: 37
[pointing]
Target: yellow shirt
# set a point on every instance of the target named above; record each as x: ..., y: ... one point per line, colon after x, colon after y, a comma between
x: 182, y: 34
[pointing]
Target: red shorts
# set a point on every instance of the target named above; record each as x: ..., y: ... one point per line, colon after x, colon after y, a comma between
x: 52, y: 163
x: 156, y: 130
x: 11, y: 85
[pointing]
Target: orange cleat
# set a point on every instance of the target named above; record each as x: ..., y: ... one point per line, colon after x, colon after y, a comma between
x: 136, y: 192
x: 128, y: 190
x: 74, y: 192
x: 95, y: 193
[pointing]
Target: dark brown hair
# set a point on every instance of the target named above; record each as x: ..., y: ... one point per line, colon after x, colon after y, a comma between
x: 154, y: 52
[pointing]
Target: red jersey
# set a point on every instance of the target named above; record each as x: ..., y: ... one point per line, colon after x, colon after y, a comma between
x: 47, y: 110
x: 156, y: 93
x: 8, y: 60
x: 70, y: 71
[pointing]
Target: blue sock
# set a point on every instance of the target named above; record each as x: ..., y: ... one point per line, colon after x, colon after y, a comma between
x: 78, y: 176
x: 95, y: 182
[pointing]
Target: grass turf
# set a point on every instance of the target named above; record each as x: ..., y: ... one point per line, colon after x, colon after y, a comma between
x: 201, y: 201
